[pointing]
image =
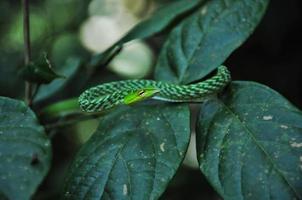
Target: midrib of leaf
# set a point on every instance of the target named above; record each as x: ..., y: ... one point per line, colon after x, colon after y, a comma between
x: 116, y: 156
x: 112, y: 164
x: 128, y: 174
x: 155, y: 168
x: 157, y: 161
x: 205, y: 31
x: 219, y: 157
x: 219, y: 164
x: 172, y: 129
x: 156, y: 165
x: 260, y: 147
x: 111, y: 168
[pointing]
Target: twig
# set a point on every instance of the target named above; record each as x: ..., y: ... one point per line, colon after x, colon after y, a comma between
x: 27, y: 48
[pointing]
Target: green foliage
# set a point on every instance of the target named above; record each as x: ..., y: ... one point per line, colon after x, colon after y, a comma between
x: 68, y: 70
x: 161, y: 20
x: 40, y: 71
x: 133, y: 154
x: 204, y: 40
x: 157, y: 23
x: 25, y: 151
x: 248, y: 138
x: 67, y: 57
x: 248, y: 144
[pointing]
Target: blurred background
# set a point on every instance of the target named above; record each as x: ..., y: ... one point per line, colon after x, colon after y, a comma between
x: 71, y: 31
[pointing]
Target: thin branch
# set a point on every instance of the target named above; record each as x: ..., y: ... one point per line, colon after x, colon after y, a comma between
x: 26, y: 32
x: 27, y: 48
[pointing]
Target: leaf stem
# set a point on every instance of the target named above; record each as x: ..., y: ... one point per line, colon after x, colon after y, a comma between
x: 27, y: 48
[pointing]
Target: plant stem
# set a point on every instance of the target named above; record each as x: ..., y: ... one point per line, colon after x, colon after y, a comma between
x: 27, y: 48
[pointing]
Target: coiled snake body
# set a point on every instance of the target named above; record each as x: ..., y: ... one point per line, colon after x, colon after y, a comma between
x: 109, y: 95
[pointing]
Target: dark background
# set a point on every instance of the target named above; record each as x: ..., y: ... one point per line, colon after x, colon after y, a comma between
x: 272, y: 55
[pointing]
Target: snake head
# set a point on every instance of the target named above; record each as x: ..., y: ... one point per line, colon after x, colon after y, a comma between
x: 140, y: 95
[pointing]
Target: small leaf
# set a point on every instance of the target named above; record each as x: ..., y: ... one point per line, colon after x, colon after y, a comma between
x: 203, y: 41
x: 157, y: 23
x: 25, y: 150
x: 250, y: 144
x: 134, y: 154
x: 67, y: 55
x: 40, y: 72
x: 70, y: 68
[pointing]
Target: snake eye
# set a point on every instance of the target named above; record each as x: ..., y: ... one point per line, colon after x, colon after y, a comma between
x: 141, y: 92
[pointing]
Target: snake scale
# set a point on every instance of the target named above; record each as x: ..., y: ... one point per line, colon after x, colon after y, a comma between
x: 109, y: 95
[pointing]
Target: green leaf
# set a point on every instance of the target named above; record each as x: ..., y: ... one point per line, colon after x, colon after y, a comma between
x: 203, y: 41
x: 40, y: 71
x: 68, y: 70
x: 160, y: 20
x: 157, y: 23
x: 67, y: 55
x: 250, y: 144
x: 133, y: 154
x: 25, y: 150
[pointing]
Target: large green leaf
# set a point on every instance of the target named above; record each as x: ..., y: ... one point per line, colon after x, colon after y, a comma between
x: 250, y: 144
x: 203, y: 41
x: 133, y: 154
x: 157, y: 23
x: 25, y: 150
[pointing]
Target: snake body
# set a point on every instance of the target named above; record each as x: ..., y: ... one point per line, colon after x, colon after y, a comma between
x: 108, y: 95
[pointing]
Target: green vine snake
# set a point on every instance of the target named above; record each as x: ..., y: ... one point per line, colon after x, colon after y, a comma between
x: 109, y: 95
